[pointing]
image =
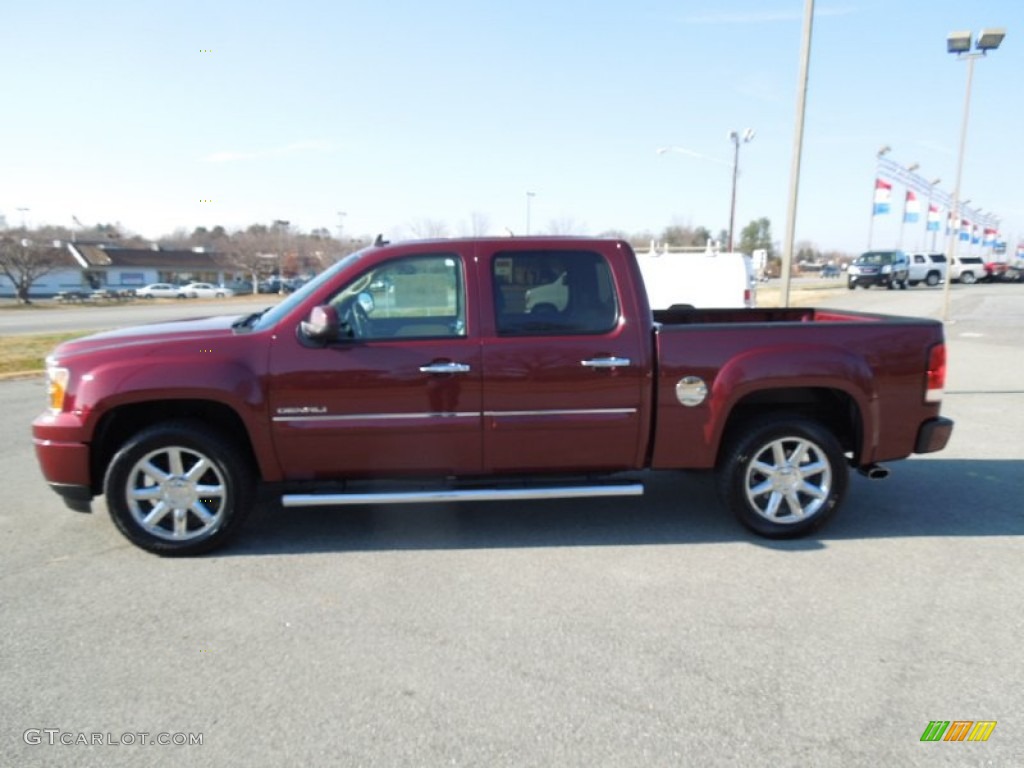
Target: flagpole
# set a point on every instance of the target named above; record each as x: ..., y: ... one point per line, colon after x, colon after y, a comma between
x: 874, y: 189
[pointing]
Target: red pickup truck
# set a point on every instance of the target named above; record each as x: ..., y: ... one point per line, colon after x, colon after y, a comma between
x: 424, y: 371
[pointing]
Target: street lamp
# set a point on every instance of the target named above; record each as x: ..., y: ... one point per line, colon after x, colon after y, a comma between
x: 736, y: 139
x: 529, y: 197
x: 959, y: 44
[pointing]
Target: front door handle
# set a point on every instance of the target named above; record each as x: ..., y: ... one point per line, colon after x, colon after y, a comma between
x: 445, y: 368
x: 606, y: 362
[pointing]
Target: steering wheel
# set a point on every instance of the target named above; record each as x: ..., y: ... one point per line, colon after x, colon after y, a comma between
x: 357, y: 319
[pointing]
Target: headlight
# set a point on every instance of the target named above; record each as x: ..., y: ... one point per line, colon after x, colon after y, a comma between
x: 58, y: 386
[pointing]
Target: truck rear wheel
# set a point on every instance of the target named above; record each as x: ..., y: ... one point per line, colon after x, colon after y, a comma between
x: 783, y: 476
x: 178, y: 488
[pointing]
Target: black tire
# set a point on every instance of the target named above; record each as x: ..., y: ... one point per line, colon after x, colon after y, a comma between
x: 851, y: 286
x: 903, y: 285
x: 767, y: 502
x: 889, y: 285
x: 913, y: 283
x: 933, y: 279
x: 967, y: 278
x: 200, y: 511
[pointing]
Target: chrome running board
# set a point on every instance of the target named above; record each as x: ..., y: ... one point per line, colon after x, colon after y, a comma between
x: 485, y: 494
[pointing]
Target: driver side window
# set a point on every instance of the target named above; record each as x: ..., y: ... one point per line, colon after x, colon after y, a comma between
x: 411, y: 297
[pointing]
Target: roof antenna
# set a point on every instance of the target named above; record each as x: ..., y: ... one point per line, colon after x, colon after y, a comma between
x: 380, y: 241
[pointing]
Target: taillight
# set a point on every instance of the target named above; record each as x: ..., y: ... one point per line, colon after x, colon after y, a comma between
x: 936, y: 377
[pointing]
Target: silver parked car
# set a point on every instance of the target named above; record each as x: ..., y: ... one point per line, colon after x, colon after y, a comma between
x: 161, y: 291
x: 206, y: 291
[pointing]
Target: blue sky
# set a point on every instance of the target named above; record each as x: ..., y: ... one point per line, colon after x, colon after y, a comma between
x: 398, y: 112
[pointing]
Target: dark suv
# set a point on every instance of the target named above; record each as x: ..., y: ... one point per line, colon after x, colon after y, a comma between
x: 888, y: 268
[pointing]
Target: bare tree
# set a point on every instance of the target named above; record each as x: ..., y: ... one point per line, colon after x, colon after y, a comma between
x: 477, y: 226
x: 428, y: 228
x: 23, y: 262
x: 566, y: 225
x: 253, y: 252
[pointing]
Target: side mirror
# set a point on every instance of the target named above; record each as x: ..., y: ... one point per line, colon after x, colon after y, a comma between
x: 323, y: 325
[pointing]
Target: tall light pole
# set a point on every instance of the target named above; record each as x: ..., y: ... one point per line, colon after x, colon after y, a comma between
x: 736, y: 139
x: 798, y: 149
x: 23, y: 211
x: 959, y: 44
x: 529, y: 198
x: 882, y: 152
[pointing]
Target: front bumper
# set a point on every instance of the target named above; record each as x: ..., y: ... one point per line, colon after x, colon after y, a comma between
x: 63, y: 458
x: 933, y: 435
x: 869, y: 279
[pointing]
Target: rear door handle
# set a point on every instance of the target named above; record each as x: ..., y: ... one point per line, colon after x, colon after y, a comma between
x: 606, y: 362
x: 445, y: 368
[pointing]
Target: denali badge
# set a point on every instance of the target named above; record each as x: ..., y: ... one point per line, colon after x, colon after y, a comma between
x: 302, y: 410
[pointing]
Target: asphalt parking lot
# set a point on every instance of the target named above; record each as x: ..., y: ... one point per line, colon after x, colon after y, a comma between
x: 653, y: 631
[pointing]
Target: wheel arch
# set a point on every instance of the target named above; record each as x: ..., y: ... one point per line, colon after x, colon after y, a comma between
x: 835, y: 409
x: 119, y: 424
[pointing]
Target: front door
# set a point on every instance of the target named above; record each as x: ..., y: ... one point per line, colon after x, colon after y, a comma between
x: 402, y: 395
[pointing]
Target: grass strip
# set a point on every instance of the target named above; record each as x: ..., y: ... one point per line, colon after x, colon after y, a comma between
x: 27, y: 352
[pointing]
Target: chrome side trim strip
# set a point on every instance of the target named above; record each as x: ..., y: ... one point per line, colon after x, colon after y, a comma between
x: 383, y: 416
x: 565, y: 412
x: 497, y: 494
x: 460, y: 414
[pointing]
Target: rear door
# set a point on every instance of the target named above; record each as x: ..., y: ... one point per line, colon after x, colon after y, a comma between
x: 565, y: 372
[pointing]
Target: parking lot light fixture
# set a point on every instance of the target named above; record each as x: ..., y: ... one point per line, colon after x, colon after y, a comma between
x: 959, y: 44
x: 736, y: 139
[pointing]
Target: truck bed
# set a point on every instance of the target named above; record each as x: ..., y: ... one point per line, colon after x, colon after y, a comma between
x: 693, y: 316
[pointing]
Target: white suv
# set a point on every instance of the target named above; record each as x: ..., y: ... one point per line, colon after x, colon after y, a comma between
x: 968, y: 269
x: 929, y: 268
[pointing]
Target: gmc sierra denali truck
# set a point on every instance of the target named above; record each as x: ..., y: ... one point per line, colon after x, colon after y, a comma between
x: 424, y: 371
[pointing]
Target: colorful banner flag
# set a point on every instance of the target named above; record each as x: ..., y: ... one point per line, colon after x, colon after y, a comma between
x: 975, y: 234
x: 933, y: 218
x: 990, y: 236
x: 883, y: 194
x: 965, y: 231
x: 911, y: 208
x: 950, y: 223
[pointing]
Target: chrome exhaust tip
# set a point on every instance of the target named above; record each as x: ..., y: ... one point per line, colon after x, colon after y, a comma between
x: 874, y: 472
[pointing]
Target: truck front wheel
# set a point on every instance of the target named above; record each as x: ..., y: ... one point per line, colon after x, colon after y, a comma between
x: 783, y: 477
x: 178, y: 488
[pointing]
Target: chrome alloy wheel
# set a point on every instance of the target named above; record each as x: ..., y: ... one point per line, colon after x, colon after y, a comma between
x: 788, y: 480
x: 176, y: 493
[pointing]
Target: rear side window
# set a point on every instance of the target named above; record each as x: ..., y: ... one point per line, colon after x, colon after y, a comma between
x: 553, y: 292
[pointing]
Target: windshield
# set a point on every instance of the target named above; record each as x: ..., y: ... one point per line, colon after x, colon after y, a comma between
x: 875, y: 258
x: 272, y: 316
